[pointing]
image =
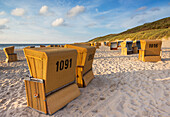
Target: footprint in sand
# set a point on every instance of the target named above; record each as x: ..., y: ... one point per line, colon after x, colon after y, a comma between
x: 120, y: 106
x: 102, y: 98
x: 94, y: 111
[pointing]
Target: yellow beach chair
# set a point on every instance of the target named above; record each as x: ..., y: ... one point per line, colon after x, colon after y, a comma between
x: 150, y: 50
x: 105, y: 43
x: 42, y: 46
x: 96, y: 45
x: 134, y: 47
x: 52, y: 84
x: 53, y: 46
x: 92, y: 44
x: 30, y: 47
x: 126, y: 47
x: 138, y: 45
x: 84, y: 43
x: 113, y: 45
x: 99, y: 43
x: 62, y: 46
x: 10, y: 55
x: 84, y: 63
x: 119, y: 43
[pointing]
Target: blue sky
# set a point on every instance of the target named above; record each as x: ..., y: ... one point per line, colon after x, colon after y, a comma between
x: 66, y: 21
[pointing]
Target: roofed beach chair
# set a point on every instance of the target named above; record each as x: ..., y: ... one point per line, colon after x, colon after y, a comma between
x: 53, y: 46
x: 150, y: 50
x: 84, y: 43
x: 99, y: 43
x: 105, y: 43
x: 61, y: 45
x: 50, y: 46
x: 52, y: 83
x: 96, y: 45
x: 134, y: 47
x: 92, y: 44
x: 138, y: 45
x: 113, y: 45
x: 42, y: 46
x: 30, y: 47
x: 119, y: 43
x: 84, y: 63
x: 10, y: 55
x: 126, y: 47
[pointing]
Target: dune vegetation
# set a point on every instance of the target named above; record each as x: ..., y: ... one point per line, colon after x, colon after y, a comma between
x: 155, y: 30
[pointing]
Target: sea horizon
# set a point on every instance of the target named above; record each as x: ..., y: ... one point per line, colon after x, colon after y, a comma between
x: 21, y: 45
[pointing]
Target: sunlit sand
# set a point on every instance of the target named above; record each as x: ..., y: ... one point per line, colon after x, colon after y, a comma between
x: 123, y: 86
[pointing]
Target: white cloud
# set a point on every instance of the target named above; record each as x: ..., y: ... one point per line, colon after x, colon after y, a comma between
x: 97, y: 10
x: 75, y: 11
x: 155, y: 9
x: 44, y: 9
x: 141, y: 8
x: 147, y: 16
x: 2, y: 13
x: 4, y: 27
x: 91, y: 24
x: 18, y: 12
x: 103, y: 13
x: 3, y: 21
x: 58, y: 22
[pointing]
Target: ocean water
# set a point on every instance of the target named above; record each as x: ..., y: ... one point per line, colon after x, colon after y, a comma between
x: 21, y: 46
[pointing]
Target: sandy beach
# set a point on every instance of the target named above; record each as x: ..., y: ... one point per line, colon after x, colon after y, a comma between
x: 123, y: 87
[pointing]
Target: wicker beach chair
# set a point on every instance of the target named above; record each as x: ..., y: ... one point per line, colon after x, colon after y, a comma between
x: 105, y: 43
x: 126, y: 47
x: 42, y: 46
x: 53, y: 46
x: 134, y: 47
x: 138, y: 45
x: 119, y: 43
x: 84, y: 63
x: 10, y: 55
x: 96, y: 45
x: 85, y: 43
x: 150, y: 50
x: 30, y: 47
x: 113, y: 45
x: 52, y: 83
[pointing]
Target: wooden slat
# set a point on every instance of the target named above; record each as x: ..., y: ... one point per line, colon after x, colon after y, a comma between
x: 38, y: 99
x: 34, y: 104
x: 32, y: 67
x: 42, y: 98
x: 38, y: 66
x: 27, y: 92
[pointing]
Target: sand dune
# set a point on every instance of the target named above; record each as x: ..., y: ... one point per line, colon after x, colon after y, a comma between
x: 123, y: 87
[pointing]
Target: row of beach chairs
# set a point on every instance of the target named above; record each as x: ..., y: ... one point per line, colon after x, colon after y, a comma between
x: 127, y: 47
x: 55, y: 75
x: 149, y: 50
x: 57, y: 72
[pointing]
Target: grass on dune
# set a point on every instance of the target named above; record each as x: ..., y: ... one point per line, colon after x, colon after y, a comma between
x: 149, y: 34
x: 154, y: 30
